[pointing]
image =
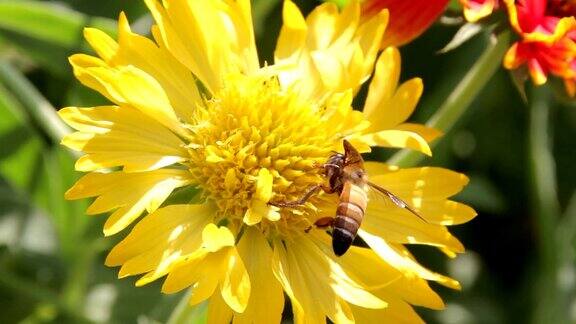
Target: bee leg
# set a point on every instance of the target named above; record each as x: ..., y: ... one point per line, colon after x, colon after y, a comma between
x: 324, y: 222
x: 321, y: 223
x: 327, y: 189
x: 309, y: 193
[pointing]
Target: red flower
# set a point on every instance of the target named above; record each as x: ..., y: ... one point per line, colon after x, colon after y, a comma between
x: 408, y: 18
x: 475, y: 10
x: 548, y: 41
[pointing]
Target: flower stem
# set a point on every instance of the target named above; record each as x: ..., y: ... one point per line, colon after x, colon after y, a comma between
x: 465, y: 92
x: 545, y: 208
x: 184, y: 313
x: 38, y: 107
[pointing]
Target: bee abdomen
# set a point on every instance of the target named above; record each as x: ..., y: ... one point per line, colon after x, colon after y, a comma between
x: 348, y: 218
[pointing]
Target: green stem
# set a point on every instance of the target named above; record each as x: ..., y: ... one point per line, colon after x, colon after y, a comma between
x: 74, y: 290
x: 184, y: 313
x: 545, y: 208
x: 461, y: 97
x: 42, y: 112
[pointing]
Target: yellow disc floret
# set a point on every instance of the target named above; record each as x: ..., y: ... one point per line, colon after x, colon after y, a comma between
x: 251, y: 131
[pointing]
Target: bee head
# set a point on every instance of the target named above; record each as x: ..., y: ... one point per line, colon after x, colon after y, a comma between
x: 351, y: 155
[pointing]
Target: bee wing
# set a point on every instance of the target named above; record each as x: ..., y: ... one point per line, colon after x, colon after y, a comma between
x: 395, y: 199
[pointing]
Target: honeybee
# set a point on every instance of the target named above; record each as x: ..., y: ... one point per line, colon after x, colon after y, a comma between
x: 346, y: 177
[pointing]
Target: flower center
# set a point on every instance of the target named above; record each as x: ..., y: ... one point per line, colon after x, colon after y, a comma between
x: 253, y: 124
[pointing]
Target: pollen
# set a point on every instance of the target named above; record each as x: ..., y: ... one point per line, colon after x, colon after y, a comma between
x: 252, y: 130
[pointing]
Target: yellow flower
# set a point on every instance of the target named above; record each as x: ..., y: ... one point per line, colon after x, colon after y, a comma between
x: 193, y: 109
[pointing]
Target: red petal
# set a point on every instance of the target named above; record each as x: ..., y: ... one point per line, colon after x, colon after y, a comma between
x: 408, y: 19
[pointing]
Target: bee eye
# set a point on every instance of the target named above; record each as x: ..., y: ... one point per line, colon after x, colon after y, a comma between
x: 358, y: 174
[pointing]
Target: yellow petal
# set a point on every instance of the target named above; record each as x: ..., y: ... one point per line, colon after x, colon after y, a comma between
x: 174, y: 78
x: 259, y: 210
x: 301, y: 271
x: 398, y: 311
x: 365, y: 266
x: 104, y: 45
x: 264, y: 185
x: 112, y: 136
x: 254, y: 214
x: 341, y: 117
x: 427, y: 133
x: 304, y: 298
x: 415, y: 183
x: 131, y: 193
x: 396, y: 138
x: 330, y: 52
x: 266, y: 298
x: 217, y: 41
x: 447, y: 212
x: 215, y: 238
x: 398, y: 225
x: 293, y: 33
x: 259, y: 207
x: 160, y: 239
x: 387, y: 282
x: 345, y: 286
x: 397, y: 109
x: 235, y: 287
x: 141, y: 91
x: 218, y: 311
x: 189, y: 53
x: 202, y: 272
x: 324, y: 18
x: 402, y: 260
x: 244, y: 44
x: 206, y: 286
x: 384, y: 82
x: 81, y: 65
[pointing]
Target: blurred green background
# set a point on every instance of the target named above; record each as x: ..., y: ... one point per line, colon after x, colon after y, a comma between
x: 520, y: 263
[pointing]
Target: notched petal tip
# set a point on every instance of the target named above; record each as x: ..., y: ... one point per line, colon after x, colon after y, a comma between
x: 215, y: 238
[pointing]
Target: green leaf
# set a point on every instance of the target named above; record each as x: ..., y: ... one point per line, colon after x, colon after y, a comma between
x: 47, y: 32
x: 184, y: 313
x: 41, y: 173
x: 18, y: 157
x: 466, y: 32
x: 519, y: 77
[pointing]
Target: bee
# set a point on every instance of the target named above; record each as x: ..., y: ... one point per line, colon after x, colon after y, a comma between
x: 348, y: 178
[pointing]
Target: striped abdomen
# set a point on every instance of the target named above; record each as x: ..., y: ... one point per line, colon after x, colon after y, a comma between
x: 353, y: 201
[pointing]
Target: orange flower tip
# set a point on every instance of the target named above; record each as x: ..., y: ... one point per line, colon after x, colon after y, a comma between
x: 538, y: 77
x: 570, y: 86
x: 475, y: 10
